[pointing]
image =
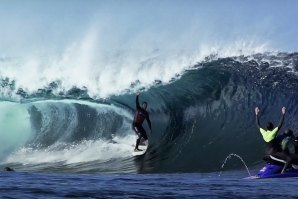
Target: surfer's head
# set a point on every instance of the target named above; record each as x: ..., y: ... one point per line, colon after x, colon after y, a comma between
x: 144, y: 105
x: 270, y: 126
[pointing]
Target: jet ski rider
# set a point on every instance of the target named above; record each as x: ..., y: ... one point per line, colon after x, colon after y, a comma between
x: 269, y: 137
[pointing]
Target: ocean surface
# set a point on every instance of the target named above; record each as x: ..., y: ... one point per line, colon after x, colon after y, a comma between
x: 68, y: 143
x: 191, y: 185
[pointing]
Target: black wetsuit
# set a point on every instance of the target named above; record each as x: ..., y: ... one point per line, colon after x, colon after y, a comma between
x: 140, y: 115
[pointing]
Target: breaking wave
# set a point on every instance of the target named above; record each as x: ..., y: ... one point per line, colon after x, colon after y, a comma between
x: 199, y: 116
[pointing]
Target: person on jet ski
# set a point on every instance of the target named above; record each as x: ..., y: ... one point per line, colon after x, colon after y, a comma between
x: 269, y: 136
x: 287, y: 142
x: 289, y: 146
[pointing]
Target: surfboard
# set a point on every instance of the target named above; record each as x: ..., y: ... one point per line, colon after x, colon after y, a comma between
x: 137, y: 153
x: 143, y: 147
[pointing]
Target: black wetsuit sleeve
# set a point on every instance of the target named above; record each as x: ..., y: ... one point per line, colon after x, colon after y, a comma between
x: 258, y: 121
x: 149, y: 122
x: 281, y: 121
x: 137, y: 102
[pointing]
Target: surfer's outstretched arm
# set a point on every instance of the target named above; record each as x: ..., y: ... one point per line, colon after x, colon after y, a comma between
x: 137, y: 101
x: 283, y: 112
x: 257, y: 110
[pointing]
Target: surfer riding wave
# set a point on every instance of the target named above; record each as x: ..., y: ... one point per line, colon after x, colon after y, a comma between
x: 139, y: 117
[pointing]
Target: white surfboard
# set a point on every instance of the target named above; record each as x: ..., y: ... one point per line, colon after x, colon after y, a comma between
x: 143, y: 147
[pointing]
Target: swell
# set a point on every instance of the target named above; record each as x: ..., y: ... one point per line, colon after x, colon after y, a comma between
x: 198, y: 119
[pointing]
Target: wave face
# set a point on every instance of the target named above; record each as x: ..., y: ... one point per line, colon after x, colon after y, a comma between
x: 198, y: 118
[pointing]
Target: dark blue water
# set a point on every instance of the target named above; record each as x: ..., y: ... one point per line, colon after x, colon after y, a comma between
x: 192, y: 185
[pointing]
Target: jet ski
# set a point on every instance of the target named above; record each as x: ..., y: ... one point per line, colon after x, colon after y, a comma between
x: 273, y: 169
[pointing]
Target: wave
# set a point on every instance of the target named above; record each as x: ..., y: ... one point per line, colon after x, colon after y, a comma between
x: 198, y: 118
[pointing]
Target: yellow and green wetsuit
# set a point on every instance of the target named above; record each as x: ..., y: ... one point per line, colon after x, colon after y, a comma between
x: 270, y: 135
x: 269, y: 138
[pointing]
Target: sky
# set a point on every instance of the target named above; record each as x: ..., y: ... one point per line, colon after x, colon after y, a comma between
x: 48, y: 27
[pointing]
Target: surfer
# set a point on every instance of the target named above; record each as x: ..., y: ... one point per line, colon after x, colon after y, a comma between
x: 140, y: 115
x: 269, y: 136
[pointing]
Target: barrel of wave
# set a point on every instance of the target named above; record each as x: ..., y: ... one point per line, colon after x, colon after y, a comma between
x: 15, y: 127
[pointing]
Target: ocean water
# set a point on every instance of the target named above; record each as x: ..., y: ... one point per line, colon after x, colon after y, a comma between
x: 70, y: 71
x: 180, y: 185
x: 68, y: 144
